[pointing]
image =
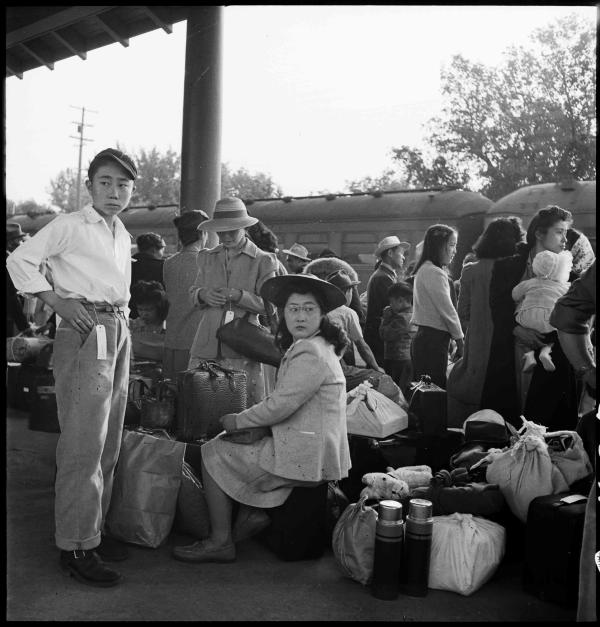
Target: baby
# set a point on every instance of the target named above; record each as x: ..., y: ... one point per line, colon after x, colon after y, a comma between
x: 536, y: 298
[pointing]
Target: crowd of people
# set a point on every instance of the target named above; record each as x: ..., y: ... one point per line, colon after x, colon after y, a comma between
x: 483, y: 337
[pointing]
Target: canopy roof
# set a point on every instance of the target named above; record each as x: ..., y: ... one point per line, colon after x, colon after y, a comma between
x: 37, y: 36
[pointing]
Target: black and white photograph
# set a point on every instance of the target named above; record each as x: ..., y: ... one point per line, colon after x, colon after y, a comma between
x: 301, y: 313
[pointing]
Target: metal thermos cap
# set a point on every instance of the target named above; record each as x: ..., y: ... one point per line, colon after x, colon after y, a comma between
x: 420, y: 509
x: 390, y: 510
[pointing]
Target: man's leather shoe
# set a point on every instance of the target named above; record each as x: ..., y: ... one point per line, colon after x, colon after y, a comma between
x: 88, y: 568
x: 111, y: 550
x: 199, y: 552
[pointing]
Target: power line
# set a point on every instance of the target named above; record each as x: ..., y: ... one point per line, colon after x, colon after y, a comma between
x: 81, y: 138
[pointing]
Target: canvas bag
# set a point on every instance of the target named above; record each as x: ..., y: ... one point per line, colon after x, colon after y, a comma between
x: 465, y: 552
x: 370, y: 413
x: 145, y: 489
x: 525, y: 470
x: 353, y: 541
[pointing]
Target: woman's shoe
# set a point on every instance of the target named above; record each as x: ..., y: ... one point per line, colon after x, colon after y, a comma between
x: 199, y: 552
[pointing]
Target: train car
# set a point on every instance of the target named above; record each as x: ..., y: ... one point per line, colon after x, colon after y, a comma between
x: 349, y: 224
x: 579, y: 197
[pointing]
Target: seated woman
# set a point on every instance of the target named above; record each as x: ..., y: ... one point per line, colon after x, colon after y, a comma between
x: 306, y: 413
x: 148, y: 329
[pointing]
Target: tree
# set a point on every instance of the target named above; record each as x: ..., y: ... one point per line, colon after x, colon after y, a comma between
x: 159, y: 177
x: 246, y: 185
x: 530, y: 120
x: 63, y: 190
x: 32, y: 208
x: 159, y: 182
x: 387, y: 181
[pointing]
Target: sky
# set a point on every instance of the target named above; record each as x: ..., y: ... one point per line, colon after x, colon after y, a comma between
x: 314, y: 96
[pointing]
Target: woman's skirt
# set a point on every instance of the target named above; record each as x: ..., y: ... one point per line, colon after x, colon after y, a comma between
x: 236, y: 470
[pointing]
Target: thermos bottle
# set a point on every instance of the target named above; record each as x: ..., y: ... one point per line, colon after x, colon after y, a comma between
x: 417, y: 548
x: 389, y: 535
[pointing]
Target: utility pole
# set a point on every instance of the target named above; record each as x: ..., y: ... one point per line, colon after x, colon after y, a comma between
x: 81, y: 138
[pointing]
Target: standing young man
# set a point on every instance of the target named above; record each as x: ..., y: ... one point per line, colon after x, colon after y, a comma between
x: 88, y: 254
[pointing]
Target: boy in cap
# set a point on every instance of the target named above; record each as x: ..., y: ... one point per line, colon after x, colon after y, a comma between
x: 88, y: 255
x: 297, y: 258
x: 179, y: 274
x: 397, y: 332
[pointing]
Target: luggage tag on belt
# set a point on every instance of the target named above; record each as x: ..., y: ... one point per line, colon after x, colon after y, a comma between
x: 101, y: 341
x: 228, y: 316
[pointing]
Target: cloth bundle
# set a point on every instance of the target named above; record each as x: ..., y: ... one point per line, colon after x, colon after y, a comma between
x: 529, y: 469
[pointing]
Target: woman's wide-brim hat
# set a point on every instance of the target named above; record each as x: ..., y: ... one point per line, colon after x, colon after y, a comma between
x: 278, y: 289
x: 230, y: 214
x: 389, y: 242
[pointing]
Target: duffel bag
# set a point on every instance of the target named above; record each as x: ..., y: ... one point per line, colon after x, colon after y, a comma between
x: 25, y: 350
x: 204, y: 394
x: 479, y: 499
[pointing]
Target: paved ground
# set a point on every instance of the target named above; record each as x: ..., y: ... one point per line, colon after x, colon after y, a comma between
x: 257, y: 587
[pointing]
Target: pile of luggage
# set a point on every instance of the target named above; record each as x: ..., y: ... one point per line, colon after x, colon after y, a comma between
x: 491, y: 492
x: 30, y: 382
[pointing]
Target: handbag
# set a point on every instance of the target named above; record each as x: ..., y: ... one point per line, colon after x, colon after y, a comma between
x: 146, y: 486
x: 157, y: 411
x: 250, y: 340
x: 204, y: 394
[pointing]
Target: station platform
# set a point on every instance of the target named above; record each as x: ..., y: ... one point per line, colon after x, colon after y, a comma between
x: 257, y: 587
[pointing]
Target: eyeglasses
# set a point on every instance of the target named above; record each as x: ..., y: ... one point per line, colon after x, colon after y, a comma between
x: 307, y: 309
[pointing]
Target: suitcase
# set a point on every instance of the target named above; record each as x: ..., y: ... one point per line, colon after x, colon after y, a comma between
x: 204, y: 395
x: 554, y: 534
x: 15, y: 396
x: 43, y: 413
x: 299, y: 529
x: 428, y: 403
x: 27, y: 374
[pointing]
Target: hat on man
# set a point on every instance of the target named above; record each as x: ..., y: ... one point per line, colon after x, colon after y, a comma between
x: 190, y: 220
x: 230, y: 214
x: 117, y: 156
x: 389, y: 242
x: 297, y: 250
x: 341, y: 280
x: 14, y: 231
x: 277, y: 290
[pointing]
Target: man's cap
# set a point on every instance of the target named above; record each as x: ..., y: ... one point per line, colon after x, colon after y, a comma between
x: 278, y: 289
x: 190, y: 220
x: 341, y: 280
x: 230, y: 215
x: 389, y: 242
x: 117, y: 156
x: 14, y: 231
x: 297, y: 250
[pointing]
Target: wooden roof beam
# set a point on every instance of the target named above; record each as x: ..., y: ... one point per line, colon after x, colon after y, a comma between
x: 69, y: 16
x: 37, y: 57
x: 12, y: 72
x: 68, y: 42
x: 168, y: 28
x: 112, y: 30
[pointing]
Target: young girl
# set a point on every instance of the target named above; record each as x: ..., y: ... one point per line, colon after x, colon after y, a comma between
x: 536, y: 298
x: 433, y: 310
x: 148, y: 329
